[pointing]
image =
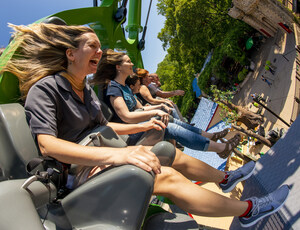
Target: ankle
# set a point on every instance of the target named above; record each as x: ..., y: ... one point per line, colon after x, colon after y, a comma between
x: 248, y: 210
x: 225, y: 179
x: 206, y: 134
x: 223, y: 147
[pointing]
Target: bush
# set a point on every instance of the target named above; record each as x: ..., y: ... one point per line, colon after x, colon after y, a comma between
x: 242, y: 74
x: 187, y: 103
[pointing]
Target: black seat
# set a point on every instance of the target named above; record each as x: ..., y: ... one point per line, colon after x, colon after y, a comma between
x: 17, y: 146
x: 122, y: 188
x: 117, y: 197
x: 55, y: 20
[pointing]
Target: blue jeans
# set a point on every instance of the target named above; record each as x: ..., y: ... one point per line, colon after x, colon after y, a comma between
x: 175, y: 114
x: 134, y: 138
x: 187, y: 135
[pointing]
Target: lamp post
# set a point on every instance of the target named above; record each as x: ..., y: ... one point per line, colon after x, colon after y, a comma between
x: 258, y: 101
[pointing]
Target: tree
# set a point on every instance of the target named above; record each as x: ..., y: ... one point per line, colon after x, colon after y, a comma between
x: 192, y: 29
x: 172, y: 77
x: 233, y: 114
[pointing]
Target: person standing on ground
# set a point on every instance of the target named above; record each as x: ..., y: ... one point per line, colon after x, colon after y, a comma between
x: 258, y: 97
x: 268, y: 68
x: 269, y: 63
x: 263, y: 78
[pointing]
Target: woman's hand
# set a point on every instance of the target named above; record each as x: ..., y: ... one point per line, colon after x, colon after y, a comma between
x: 169, y: 103
x: 163, y: 116
x: 139, y: 156
x: 154, y: 124
x: 166, y: 108
x: 179, y: 92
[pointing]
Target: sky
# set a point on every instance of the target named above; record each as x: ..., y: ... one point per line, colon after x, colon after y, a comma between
x: 22, y: 12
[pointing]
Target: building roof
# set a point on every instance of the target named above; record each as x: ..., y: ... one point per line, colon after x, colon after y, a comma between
x: 204, y: 114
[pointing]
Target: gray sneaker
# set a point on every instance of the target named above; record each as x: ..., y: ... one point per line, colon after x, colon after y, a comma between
x: 234, y: 177
x: 265, y: 206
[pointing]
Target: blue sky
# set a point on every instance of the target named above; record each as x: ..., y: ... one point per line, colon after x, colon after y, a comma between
x: 27, y: 11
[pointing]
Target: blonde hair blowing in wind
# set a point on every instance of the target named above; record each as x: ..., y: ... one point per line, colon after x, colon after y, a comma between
x: 42, y: 51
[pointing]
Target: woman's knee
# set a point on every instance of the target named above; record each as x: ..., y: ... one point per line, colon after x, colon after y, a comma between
x: 178, y: 157
x: 168, y: 180
x: 169, y: 174
x: 172, y: 127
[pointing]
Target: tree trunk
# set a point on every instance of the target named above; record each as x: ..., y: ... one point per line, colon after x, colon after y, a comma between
x: 250, y: 119
x: 252, y: 134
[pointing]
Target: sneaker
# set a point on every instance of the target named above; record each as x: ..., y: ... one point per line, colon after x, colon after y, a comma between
x: 265, y: 206
x: 234, y: 177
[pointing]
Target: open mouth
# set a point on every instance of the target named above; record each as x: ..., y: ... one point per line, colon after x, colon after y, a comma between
x: 94, y: 61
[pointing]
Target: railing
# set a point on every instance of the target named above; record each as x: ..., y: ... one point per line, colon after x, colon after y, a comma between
x: 296, y: 106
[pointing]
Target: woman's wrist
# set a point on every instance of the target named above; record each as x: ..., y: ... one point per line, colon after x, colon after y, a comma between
x: 155, y: 113
x: 142, y: 128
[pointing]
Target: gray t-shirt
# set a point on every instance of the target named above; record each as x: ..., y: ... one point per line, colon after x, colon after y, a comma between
x: 153, y: 89
x: 53, y: 108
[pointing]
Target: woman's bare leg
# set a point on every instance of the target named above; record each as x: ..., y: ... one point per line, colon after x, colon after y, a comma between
x: 195, y: 169
x: 194, y: 199
x: 216, y: 147
x: 206, y: 134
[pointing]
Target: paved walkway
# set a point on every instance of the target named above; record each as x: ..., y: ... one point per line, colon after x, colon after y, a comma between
x: 280, y: 50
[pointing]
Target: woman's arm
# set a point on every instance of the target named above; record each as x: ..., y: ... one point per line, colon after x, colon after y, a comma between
x: 72, y: 153
x: 167, y: 94
x: 122, y: 111
x: 144, y: 91
x: 161, y: 106
x: 152, y: 107
x: 123, y: 129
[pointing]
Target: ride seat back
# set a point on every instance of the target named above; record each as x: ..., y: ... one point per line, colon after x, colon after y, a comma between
x: 54, y: 20
x: 108, y: 114
x: 17, y: 146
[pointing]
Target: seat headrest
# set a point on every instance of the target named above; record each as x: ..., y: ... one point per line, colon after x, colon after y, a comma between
x: 55, y: 20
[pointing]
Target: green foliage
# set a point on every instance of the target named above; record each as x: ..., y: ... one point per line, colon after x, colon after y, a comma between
x: 218, y: 95
x: 242, y: 74
x: 166, y: 70
x: 227, y: 115
x: 192, y: 29
x: 188, y: 103
x: 204, y: 78
x: 230, y: 45
x: 173, y: 76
